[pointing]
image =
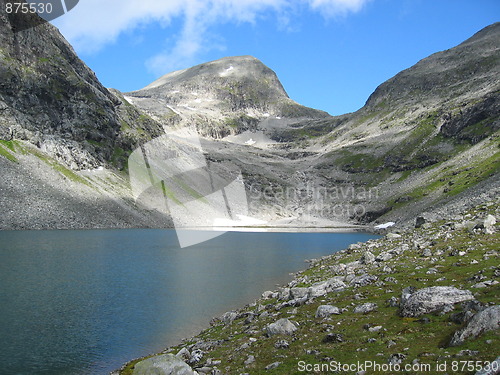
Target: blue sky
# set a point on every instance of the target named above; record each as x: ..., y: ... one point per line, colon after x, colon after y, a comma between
x: 329, y: 54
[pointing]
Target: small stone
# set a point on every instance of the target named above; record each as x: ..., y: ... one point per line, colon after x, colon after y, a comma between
x: 249, y: 360
x: 393, y: 302
x: 426, y: 253
x: 467, y: 352
x: 333, y: 337
x: 375, y: 329
x: 363, y: 280
x: 267, y: 294
x: 365, y: 308
x: 489, y: 224
x: 204, y: 370
x: 229, y: 317
x: 390, y: 343
x: 391, y: 279
x: 196, y: 356
x: 396, y: 359
x: 272, y: 366
x: 485, y: 284
x: 313, y: 352
x: 281, y: 344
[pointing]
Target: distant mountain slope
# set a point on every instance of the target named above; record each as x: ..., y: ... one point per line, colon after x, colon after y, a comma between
x: 223, y: 97
x: 426, y: 139
x: 468, y: 70
x: 426, y: 135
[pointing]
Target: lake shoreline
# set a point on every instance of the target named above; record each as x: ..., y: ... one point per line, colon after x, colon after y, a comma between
x: 121, y: 294
x: 368, y: 277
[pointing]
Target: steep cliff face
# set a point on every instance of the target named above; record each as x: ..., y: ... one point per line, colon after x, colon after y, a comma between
x: 58, y: 128
x: 50, y: 98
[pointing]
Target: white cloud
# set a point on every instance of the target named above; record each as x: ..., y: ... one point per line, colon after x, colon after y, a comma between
x: 337, y: 7
x: 93, y: 24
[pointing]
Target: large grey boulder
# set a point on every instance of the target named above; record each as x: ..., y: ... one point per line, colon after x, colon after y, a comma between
x: 324, y: 311
x: 165, y: 364
x: 296, y: 293
x: 485, y: 320
x: 281, y: 327
x: 321, y: 288
x: 432, y: 299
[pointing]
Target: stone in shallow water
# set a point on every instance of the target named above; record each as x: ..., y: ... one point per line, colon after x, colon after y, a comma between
x: 165, y: 364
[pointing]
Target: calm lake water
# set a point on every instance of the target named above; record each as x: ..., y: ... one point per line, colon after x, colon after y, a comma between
x: 85, y: 302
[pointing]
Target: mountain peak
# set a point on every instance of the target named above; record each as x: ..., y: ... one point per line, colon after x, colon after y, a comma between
x: 226, y: 68
x: 454, y: 72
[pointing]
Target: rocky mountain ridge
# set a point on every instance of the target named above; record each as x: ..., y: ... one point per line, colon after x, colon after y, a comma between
x: 426, y: 139
x: 222, y: 98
